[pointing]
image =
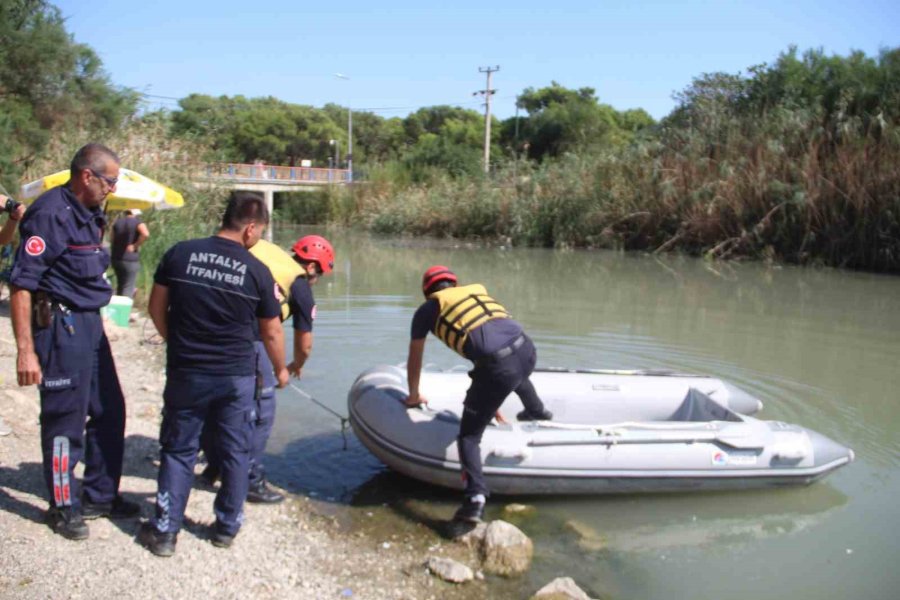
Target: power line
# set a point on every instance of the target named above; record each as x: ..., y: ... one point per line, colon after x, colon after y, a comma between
x: 371, y: 109
x: 146, y: 95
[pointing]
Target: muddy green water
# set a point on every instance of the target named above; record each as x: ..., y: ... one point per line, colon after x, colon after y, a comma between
x: 820, y: 347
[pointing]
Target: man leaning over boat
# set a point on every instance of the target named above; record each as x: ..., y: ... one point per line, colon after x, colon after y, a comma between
x: 478, y: 328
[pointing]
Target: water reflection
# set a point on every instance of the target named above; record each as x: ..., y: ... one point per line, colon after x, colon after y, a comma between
x: 678, y: 521
x: 820, y: 347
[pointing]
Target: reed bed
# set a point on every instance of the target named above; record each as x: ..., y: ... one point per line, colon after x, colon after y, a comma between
x: 791, y: 191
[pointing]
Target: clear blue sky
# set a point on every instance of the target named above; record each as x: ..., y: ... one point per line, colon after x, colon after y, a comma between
x: 400, y: 56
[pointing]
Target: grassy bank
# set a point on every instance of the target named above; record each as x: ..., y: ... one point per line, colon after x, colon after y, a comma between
x: 791, y: 192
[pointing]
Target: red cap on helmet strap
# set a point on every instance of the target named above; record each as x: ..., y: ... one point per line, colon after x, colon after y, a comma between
x: 435, y: 274
x: 316, y: 249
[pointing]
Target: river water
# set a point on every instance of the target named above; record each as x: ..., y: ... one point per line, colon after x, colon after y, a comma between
x: 820, y: 347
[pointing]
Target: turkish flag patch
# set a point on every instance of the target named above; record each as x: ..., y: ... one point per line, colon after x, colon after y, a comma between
x: 35, y: 245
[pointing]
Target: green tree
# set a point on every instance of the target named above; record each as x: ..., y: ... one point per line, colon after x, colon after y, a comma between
x: 375, y: 139
x: 564, y: 120
x: 432, y: 119
x: 239, y: 129
x: 444, y: 137
x: 49, y: 83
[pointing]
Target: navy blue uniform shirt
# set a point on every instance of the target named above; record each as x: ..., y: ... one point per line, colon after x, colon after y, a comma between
x: 217, y: 291
x: 484, y: 340
x: 60, y: 251
x: 303, y: 305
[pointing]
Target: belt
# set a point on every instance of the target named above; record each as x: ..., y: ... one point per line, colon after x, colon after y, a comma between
x: 65, y: 309
x: 502, y: 352
x: 68, y: 309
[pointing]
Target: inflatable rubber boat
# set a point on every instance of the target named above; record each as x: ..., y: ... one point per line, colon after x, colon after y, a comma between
x: 612, y: 432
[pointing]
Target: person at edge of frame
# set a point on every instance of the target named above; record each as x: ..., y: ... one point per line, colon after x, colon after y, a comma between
x: 315, y: 255
x: 207, y: 295
x: 16, y: 211
x: 478, y: 328
x: 58, y: 289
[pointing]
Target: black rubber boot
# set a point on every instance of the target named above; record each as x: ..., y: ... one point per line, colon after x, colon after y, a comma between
x: 546, y: 415
x: 159, y: 543
x: 68, y: 522
x: 471, y: 511
x: 261, y: 493
x: 219, y: 538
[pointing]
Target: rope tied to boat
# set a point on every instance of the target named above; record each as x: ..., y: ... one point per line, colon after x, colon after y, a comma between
x: 345, y: 421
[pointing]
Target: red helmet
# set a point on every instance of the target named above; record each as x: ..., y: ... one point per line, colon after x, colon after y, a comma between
x: 435, y: 274
x: 315, y: 248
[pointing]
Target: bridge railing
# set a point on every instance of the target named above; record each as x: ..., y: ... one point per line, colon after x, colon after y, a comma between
x: 268, y: 173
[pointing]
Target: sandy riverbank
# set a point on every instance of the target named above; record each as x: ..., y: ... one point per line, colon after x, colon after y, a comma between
x: 298, y: 549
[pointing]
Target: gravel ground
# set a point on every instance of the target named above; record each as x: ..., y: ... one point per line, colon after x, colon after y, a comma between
x: 298, y: 549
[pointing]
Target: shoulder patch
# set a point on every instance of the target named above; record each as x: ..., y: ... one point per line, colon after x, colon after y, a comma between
x: 35, y: 245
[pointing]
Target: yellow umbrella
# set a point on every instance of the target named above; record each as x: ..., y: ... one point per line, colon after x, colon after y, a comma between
x: 132, y: 191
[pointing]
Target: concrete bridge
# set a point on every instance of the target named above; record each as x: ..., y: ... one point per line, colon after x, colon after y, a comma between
x: 270, y: 179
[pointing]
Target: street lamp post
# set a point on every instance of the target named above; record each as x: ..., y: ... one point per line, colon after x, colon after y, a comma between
x: 337, y: 152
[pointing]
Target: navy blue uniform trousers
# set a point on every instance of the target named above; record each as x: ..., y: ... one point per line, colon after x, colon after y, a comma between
x: 492, y: 381
x: 79, y: 382
x: 190, y: 399
x: 265, y: 419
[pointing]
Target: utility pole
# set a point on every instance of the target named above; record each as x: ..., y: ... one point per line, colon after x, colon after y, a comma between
x: 487, y: 93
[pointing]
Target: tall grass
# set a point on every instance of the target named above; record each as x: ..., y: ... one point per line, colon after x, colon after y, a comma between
x: 787, y: 189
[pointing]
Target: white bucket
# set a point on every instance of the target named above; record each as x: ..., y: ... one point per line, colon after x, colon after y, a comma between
x: 118, y: 310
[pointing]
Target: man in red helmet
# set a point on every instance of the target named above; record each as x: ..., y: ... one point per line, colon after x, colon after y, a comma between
x: 479, y: 329
x: 315, y: 256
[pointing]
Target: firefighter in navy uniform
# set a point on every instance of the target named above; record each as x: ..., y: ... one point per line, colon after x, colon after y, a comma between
x: 479, y: 329
x: 314, y: 257
x: 57, y: 291
x: 207, y: 295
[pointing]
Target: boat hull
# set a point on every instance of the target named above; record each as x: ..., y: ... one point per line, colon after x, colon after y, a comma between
x: 731, y: 452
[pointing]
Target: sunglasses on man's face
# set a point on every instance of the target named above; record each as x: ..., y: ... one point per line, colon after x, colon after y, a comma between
x: 110, y: 181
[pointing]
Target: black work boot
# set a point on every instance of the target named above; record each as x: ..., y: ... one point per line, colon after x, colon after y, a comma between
x: 119, y: 508
x: 157, y: 542
x: 471, y: 511
x: 544, y: 415
x: 219, y: 538
x: 261, y: 493
x: 68, y: 522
